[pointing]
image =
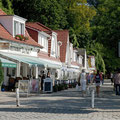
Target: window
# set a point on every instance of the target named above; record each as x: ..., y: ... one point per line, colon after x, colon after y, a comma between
x: 18, y: 28
x: 21, y: 28
x: 80, y: 60
x: 42, y: 40
x: 53, y: 46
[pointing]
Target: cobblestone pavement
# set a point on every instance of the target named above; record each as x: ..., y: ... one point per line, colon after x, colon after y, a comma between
x: 63, y: 105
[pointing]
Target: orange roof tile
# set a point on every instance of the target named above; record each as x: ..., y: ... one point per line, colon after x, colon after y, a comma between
x: 2, y: 12
x: 4, y: 34
x: 38, y: 26
x: 63, y: 37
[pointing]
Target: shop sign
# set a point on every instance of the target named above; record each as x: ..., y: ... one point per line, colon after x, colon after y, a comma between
x: 91, y: 62
x: 4, y: 45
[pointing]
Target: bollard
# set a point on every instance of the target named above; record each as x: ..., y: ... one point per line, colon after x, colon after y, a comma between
x: 92, y: 98
x: 17, y: 97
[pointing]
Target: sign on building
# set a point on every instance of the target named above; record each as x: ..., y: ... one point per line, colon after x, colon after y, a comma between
x: 4, y: 46
x: 91, y: 62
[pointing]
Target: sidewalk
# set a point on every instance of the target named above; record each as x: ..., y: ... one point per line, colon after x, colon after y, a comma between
x: 63, y: 105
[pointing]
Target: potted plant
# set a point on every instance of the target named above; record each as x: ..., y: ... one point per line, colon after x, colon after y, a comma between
x: 55, y: 88
x: 21, y: 37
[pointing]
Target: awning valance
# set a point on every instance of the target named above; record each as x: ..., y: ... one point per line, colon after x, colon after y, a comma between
x: 31, y: 60
x: 7, y: 63
x: 24, y: 59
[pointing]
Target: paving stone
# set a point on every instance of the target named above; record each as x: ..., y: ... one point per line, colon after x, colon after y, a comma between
x: 63, y: 105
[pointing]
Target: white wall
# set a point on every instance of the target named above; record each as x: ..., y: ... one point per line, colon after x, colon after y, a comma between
x: 68, y: 53
x: 54, y: 48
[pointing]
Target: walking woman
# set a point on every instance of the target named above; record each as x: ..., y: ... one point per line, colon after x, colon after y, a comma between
x: 98, y: 79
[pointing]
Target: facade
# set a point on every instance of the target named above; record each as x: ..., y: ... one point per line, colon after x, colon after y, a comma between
x: 70, y: 58
x: 18, y: 49
x: 51, y: 47
x: 28, y: 49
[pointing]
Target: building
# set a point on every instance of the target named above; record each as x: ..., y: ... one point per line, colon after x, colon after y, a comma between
x: 27, y: 49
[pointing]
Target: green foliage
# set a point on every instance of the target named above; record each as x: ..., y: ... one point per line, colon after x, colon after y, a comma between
x: 48, y: 12
x: 97, y: 50
x: 21, y: 37
x: 79, y: 14
x: 1, y: 74
x: 6, y: 6
x: 94, y: 27
x: 105, y: 27
x: 74, y: 15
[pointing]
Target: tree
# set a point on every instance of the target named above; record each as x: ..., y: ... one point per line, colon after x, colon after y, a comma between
x: 98, y: 50
x: 48, y: 12
x: 79, y: 15
x: 6, y: 6
x: 105, y: 27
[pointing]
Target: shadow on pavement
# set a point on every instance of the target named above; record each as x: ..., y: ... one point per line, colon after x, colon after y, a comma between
x: 48, y: 110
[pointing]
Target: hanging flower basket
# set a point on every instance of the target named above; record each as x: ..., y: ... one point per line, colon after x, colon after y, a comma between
x: 21, y: 37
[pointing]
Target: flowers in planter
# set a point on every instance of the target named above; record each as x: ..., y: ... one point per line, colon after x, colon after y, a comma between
x: 21, y: 37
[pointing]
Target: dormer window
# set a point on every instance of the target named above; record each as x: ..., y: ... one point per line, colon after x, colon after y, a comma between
x: 19, y: 28
x: 43, y: 40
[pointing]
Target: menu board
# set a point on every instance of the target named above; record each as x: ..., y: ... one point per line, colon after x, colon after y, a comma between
x: 23, y: 86
x: 48, y: 85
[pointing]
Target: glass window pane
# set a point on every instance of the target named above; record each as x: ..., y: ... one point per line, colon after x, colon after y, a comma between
x: 21, y: 28
x: 15, y: 27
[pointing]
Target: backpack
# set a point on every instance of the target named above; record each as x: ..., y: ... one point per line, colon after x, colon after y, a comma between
x: 97, y: 78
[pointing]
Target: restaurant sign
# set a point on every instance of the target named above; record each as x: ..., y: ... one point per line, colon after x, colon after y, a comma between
x: 4, y: 45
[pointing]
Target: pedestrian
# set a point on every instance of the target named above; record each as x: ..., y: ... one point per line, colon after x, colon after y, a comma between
x: 98, y: 79
x: 111, y: 77
x: 83, y: 82
x: 117, y: 82
x: 88, y: 78
x: 42, y: 80
x: 91, y: 78
x: 103, y: 77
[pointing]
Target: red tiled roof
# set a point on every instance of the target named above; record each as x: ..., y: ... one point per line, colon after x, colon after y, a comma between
x: 75, y: 63
x: 63, y: 37
x: 45, y: 56
x: 4, y: 34
x: 2, y: 12
x: 38, y: 26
